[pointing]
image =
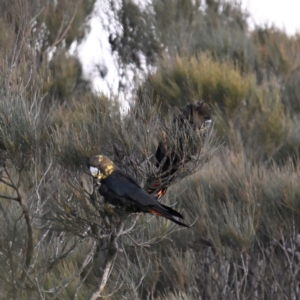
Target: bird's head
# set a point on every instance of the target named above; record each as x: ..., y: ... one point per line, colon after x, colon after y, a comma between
x: 101, y: 166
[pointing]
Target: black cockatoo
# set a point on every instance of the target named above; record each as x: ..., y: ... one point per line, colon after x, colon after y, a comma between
x: 121, y: 190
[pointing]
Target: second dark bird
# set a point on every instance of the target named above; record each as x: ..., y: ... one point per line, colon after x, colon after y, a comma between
x: 121, y: 190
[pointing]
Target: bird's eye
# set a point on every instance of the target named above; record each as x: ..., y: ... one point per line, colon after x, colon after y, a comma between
x: 94, y: 171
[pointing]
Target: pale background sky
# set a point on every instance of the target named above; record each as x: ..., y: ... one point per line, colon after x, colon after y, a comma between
x: 283, y: 13
x: 96, y: 50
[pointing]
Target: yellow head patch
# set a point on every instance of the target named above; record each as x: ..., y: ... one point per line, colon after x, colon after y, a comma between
x: 106, y: 166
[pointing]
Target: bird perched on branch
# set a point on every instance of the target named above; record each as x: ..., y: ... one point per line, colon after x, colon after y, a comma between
x: 169, y: 157
x: 121, y: 190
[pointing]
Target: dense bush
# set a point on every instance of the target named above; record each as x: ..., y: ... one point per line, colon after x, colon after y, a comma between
x: 245, y: 112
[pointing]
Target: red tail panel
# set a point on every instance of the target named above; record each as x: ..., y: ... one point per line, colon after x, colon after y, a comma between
x: 155, y: 212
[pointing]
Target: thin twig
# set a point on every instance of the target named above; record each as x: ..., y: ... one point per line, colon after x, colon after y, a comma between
x: 64, y: 255
x: 61, y: 35
x: 82, y: 281
x: 84, y: 264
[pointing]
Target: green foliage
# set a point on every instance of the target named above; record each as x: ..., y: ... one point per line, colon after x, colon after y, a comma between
x: 244, y: 203
x: 179, y: 80
x: 276, y: 52
x: 62, y: 78
x: 244, y: 112
x: 65, y: 17
x: 242, y: 209
x: 186, y: 27
x: 137, y: 36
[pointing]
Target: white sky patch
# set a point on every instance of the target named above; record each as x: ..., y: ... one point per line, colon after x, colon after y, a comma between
x: 283, y: 14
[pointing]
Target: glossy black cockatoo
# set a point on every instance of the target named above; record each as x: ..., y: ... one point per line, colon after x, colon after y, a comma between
x: 121, y: 190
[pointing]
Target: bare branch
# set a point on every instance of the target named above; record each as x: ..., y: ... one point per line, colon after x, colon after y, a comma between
x: 9, y: 198
x: 109, y: 262
x: 7, y: 183
x: 29, y: 250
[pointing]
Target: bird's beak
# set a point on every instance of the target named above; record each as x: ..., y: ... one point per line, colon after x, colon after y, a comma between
x: 96, y: 173
x: 207, y: 123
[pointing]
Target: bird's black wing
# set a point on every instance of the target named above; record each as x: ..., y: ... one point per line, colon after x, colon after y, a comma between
x: 125, y: 186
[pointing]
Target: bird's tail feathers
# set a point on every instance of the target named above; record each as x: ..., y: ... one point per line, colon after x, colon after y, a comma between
x: 172, y: 211
x: 169, y: 213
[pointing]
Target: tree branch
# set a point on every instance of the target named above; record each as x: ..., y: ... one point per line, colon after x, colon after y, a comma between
x: 7, y: 183
x: 110, y: 258
x: 29, y: 250
x: 9, y: 197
